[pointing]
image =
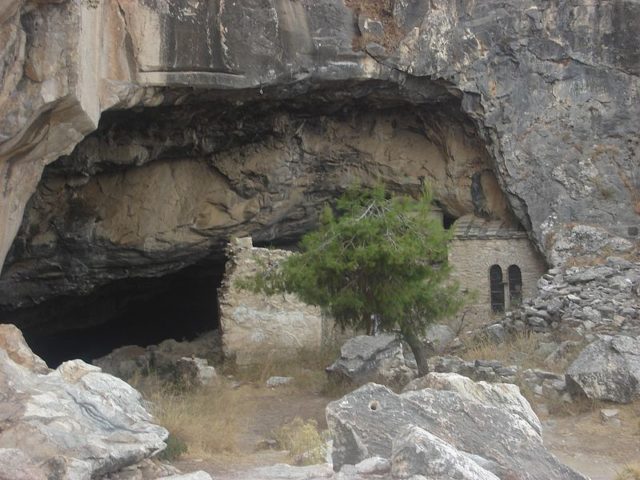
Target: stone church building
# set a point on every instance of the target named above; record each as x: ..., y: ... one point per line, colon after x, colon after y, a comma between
x: 496, y: 262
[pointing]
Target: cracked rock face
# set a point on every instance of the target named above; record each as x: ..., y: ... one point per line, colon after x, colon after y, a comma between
x: 608, y: 369
x: 456, y: 428
x: 72, y: 422
x: 242, y: 118
x: 152, y: 192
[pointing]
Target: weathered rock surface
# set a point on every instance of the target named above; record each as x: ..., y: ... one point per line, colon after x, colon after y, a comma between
x: 199, y: 475
x: 543, y: 384
x: 13, y: 343
x: 366, y: 422
x: 74, y: 422
x: 608, y: 369
x: 16, y: 465
x: 183, y: 204
x: 257, y: 326
x: 503, y: 394
x: 366, y: 358
x: 148, y: 469
x: 272, y: 128
x: 417, y: 452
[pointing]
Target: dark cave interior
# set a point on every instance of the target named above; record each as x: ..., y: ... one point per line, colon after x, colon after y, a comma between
x: 134, y: 311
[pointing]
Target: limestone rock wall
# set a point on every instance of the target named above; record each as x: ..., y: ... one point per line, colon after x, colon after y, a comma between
x: 149, y: 194
x: 258, y: 327
x: 551, y: 89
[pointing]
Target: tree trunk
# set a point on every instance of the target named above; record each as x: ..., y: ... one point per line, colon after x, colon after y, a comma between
x: 420, y: 350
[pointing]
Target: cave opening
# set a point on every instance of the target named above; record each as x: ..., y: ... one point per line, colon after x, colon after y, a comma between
x: 111, y: 245
x: 134, y: 311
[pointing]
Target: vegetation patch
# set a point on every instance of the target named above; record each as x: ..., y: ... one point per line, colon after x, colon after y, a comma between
x: 305, y: 444
x: 518, y: 349
x: 176, y: 448
x: 630, y: 472
x: 382, y: 11
x: 202, y: 422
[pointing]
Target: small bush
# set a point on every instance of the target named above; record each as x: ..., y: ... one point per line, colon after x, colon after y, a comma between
x: 176, y: 448
x: 304, y: 442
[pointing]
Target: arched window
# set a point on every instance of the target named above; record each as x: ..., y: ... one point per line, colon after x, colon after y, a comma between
x: 497, y: 288
x: 515, y: 285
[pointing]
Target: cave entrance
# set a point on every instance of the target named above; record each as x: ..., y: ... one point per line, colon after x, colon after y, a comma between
x: 133, y: 311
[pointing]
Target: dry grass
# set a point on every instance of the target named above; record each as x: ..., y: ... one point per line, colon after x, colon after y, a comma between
x: 214, y: 421
x: 519, y: 349
x: 630, y: 472
x: 206, y: 420
x: 307, y: 367
x: 579, y: 405
x: 304, y: 442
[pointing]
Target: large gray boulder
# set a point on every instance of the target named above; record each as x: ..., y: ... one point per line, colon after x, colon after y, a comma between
x: 504, y: 395
x: 417, y: 452
x: 72, y: 423
x: 607, y: 369
x: 368, y: 358
x: 367, y: 421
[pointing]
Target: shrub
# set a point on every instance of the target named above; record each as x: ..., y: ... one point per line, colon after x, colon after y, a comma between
x: 302, y: 439
x: 176, y: 447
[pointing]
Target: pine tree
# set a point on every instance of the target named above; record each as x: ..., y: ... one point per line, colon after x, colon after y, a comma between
x: 376, y: 262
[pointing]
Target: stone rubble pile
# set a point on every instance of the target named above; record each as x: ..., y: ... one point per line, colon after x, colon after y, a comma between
x: 543, y: 384
x: 589, y: 300
x: 599, y: 304
x: 184, y: 363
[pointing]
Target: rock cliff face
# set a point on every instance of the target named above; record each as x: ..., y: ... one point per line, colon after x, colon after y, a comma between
x: 214, y: 119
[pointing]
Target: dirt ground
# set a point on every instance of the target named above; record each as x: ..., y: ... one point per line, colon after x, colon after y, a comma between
x: 592, y: 447
x: 267, y: 409
x: 582, y: 440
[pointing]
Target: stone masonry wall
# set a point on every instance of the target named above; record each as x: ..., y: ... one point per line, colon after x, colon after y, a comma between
x: 256, y: 326
x: 472, y: 258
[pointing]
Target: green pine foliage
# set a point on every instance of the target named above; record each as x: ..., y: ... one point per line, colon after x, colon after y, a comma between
x: 373, y: 255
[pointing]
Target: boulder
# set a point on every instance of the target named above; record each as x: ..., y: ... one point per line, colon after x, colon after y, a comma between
x: 417, y: 452
x: 607, y: 369
x: 12, y: 342
x: 366, y: 422
x: 439, y: 337
x: 194, y: 372
x: 373, y: 466
x: 74, y: 422
x: 500, y: 395
x: 371, y: 358
x: 16, y: 465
